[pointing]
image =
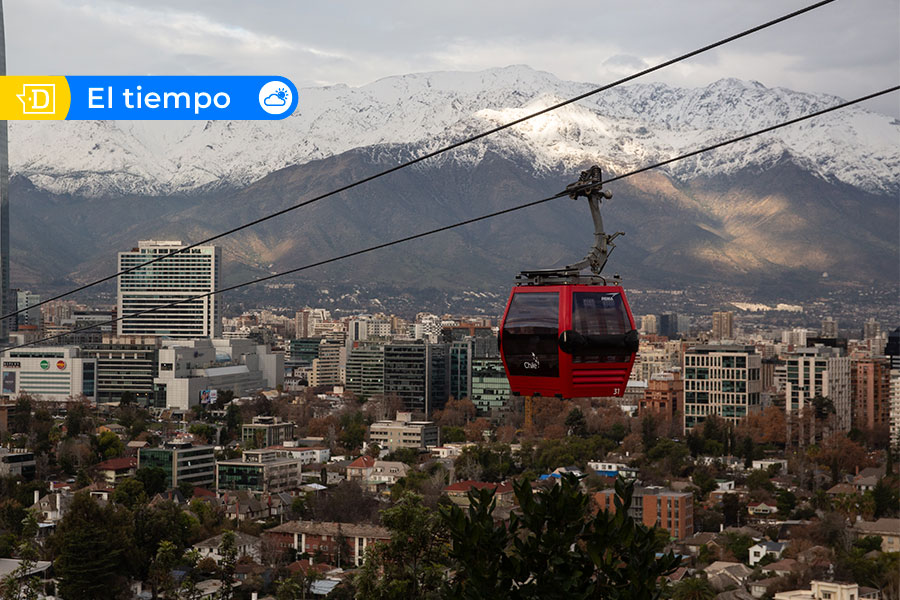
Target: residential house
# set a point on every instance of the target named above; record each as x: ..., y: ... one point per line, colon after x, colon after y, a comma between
x: 723, y: 575
x: 782, y: 568
x: 360, y: 470
x: 763, y: 549
x: 52, y: 507
x: 334, y: 541
x: 761, y: 509
x: 115, y: 470
x: 246, y: 545
x: 888, y: 529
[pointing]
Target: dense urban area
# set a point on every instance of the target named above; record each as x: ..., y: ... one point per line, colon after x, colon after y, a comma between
x: 296, y: 453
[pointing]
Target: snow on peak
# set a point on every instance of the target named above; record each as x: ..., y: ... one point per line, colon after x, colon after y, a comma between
x: 624, y: 127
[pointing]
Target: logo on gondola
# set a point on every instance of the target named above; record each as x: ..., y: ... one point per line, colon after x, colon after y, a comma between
x: 532, y: 364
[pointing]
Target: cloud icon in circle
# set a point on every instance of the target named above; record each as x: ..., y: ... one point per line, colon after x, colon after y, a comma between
x: 274, y: 100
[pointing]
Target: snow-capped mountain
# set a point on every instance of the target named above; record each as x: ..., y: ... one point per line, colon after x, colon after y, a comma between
x: 622, y: 128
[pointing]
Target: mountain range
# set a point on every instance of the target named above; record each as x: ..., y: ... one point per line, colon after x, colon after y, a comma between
x: 814, y: 200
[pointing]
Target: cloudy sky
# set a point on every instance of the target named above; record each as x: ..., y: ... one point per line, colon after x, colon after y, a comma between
x: 848, y: 48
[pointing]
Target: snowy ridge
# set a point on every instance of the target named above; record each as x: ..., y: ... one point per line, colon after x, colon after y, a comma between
x: 622, y: 128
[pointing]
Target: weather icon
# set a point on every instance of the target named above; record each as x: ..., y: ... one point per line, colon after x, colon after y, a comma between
x: 275, y: 98
x: 279, y: 98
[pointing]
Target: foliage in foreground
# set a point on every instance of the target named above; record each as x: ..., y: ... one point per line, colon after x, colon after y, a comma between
x: 553, y: 547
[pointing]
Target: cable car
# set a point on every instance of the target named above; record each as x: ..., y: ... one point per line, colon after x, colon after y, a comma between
x: 566, y: 334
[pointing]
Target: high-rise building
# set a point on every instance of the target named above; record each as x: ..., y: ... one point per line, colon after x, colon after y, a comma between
x: 461, y: 368
x: 365, y: 371
x: 819, y: 371
x: 870, y: 380
x: 892, y: 348
x: 871, y: 329
x: 720, y: 380
x: 829, y: 327
x: 174, y: 279
x: 895, y: 409
x: 723, y: 325
x: 330, y: 367
x: 31, y: 312
x: 649, y: 324
x: 4, y: 203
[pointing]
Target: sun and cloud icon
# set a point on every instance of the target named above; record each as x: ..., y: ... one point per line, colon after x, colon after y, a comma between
x: 279, y: 98
x: 275, y: 98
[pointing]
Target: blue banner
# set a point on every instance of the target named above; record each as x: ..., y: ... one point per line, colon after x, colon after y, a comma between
x: 136, y: 98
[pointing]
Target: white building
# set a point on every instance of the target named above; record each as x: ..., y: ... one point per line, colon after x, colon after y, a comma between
x: 176, y: 278
x: 819, y: 371
x: 188, y: 368
x: 895, y: 408
x: 55, y: 373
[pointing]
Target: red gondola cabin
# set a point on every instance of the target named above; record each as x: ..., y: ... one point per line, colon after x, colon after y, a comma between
x: 570, y: 340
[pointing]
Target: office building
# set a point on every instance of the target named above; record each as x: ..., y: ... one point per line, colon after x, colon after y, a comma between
x: 17, y: 462
x: 30, y: 317
x: 181, y: 461
x: 173, y: 279
x: 266, y: 471
x: 722, y: 325
x: 304, y: 350
x: 266, y: 431
x: 819, y: 371
x: 437, y: 377
x: 461, y: 368
x: 365, y: 371
x: 125, y: 365
x: 55, y: 373
x: 404, y: 433
x: 656, y: 507
x: 490, y: 387
x: 191, y: 372
x: 720, y: 380
x: 405, y: 370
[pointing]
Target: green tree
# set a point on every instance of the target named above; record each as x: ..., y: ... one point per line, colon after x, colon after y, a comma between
x: 786, y: 500
x: 576, y: 423
x: 412, y: 564
x: 228, y: 552
x: 693, y: 588
x: 153, y: 479
x: 161, y: 578
x: 19, y: 584
x: 705, y: 481
x: 739, y: 545
x: 21, y: 422
x: 91, y: 544
x: 130, y: 493
x: 107, y: 445
x: 553, y: 547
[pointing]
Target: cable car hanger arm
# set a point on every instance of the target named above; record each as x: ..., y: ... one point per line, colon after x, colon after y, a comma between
x: 590, y: 186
